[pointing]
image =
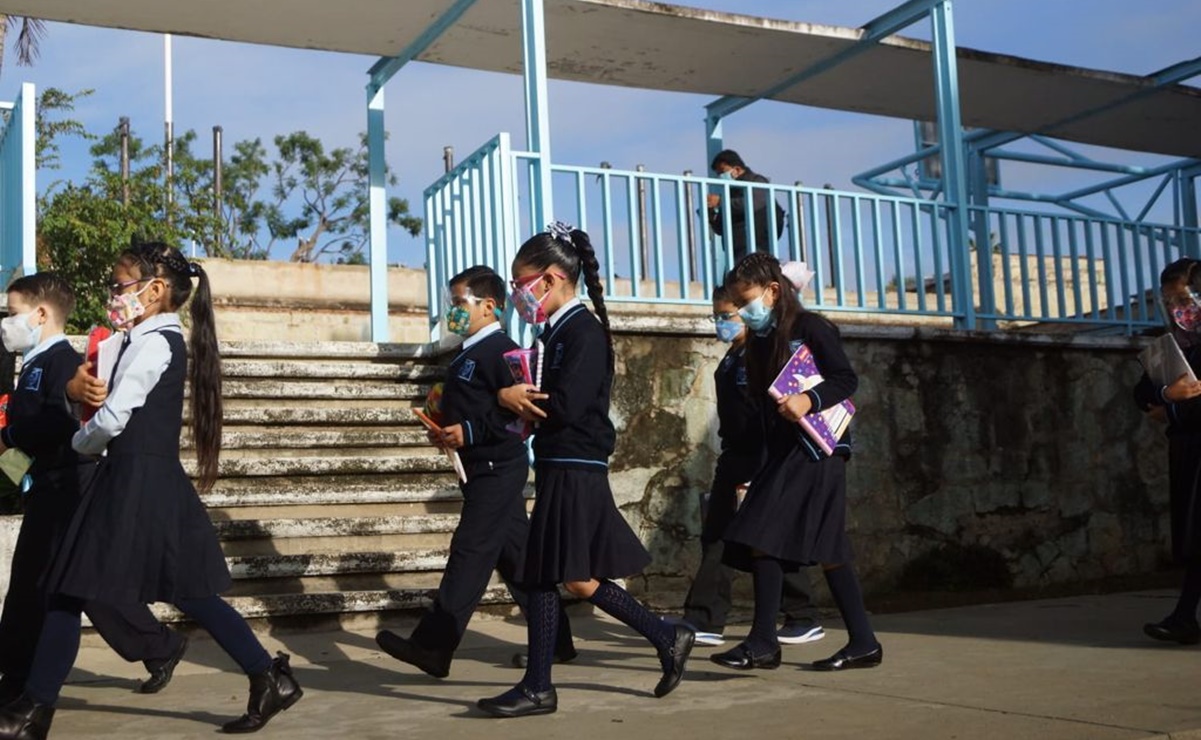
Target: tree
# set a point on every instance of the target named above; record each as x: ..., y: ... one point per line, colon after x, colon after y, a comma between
x: 333, y: 190
x: 29, y: 31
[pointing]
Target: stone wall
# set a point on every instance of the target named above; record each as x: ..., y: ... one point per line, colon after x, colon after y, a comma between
x: 981, y: 461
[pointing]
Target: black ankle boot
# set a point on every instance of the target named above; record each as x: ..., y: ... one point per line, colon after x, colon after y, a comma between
x: 24, y: 719
x: 271, y: 692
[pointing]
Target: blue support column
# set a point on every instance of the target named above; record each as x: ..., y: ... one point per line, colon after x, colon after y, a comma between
x: 537, y: 114
x: 378, y: 204
x: 978, y: 189
x: 950, y: 135
x: 714, y: 139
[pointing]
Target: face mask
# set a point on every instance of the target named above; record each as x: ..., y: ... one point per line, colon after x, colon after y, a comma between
x: 756, y: 316
x: 458, y: 320
x: 528, y: 306
x: 18, y: 334
x: 1188, y: 318
x: 124, y: 309
x: 727, y: 175
x: 728, y: 331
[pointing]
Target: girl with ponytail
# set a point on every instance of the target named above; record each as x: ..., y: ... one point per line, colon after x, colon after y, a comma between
x: 142, y: 534
x: 794, y: 513
x: 577, y: 536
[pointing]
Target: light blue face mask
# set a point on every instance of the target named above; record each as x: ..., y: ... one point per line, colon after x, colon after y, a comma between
x: 757, y: 316
x: 728, y: 330
x: 727, y: 175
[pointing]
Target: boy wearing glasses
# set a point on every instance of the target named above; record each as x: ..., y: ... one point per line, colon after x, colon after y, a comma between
x: 742, y: 448
x: 493, y: 526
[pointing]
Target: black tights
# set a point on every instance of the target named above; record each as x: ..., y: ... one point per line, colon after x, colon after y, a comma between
x: 58, y: 645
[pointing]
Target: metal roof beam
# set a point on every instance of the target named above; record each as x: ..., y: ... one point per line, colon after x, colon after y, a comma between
x: 872, y: 32
x: 383, y: 69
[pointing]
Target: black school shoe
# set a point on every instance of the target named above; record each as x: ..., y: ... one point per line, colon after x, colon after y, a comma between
x: 1173, y: 629
x: 677, y: 659
x: 161, y: 674
x: 24, y: 719
x: 433, y: 662
x: 520, y: 701
x: 842, y: 660
x: 741, y: 658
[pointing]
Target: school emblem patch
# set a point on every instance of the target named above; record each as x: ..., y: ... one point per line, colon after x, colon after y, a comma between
x: 740, y: 376
x: 468, y: 370
x: 33, y: 381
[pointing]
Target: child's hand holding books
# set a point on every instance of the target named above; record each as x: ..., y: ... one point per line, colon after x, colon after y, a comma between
x: 520, y: 400
x: 795, y: 406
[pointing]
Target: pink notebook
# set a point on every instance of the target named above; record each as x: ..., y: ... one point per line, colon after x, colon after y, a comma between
x: 800, y: 374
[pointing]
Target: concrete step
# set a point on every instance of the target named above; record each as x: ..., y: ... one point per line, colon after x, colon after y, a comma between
x: 326, y: 369
x: 344, y: 489
x: 331, y: 564
x: 259, y: 437
x: 292, y: 351
x: 334, y: 544
x: 345, y: 582
x: 278, y: 529
x: 357, y: 510
x: 418, y: 462
x: 330, y: 390
x: 325, y: 414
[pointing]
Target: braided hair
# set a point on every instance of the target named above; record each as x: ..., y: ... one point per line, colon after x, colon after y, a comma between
x: 155, y: 259
x: 570, y: 250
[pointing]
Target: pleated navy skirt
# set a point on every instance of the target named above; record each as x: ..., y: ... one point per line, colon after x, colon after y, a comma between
x: 576, y: 531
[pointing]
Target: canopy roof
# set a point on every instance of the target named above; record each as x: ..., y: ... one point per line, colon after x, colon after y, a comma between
x: 672, y: 48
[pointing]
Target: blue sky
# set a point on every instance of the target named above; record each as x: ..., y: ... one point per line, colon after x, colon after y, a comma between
x: 263, y: 91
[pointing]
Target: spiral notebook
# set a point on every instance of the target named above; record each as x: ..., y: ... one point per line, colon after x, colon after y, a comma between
x: 800, y: 374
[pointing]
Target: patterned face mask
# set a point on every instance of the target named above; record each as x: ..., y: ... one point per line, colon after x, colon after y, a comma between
x: 1188, y: 318
x: 125, y: 308
x: 529, y: 306
x: 458, y: 320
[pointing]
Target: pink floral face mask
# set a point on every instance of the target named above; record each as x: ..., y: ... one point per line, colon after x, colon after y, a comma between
x: 529, y: 306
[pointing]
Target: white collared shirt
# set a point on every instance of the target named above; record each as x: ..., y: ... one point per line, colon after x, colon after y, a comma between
x: 141, y: 366
x: 43, y: 345
x: 480, y: 335
x: 554, y: 318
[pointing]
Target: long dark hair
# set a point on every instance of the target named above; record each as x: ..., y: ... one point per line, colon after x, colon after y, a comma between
x: 572, y: 253
x: 204, y: 370
x: 762, y: 269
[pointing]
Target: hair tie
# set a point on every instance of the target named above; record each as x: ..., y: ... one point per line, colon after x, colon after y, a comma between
x: 193, y: 269
x: 561, y: 232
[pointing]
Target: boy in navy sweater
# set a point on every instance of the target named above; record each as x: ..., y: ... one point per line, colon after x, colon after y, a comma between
x: 493, y: 526
x: 40, y: 424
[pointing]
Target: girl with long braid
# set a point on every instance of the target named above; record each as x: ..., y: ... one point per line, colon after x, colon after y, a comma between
x: 141, y: 533
x: 577, y: 536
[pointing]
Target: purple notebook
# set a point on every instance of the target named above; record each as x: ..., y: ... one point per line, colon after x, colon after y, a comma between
x: 800, y: 374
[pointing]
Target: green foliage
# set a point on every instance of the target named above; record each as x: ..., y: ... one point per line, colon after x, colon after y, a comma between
x: 304, y: 192
x: 80, y: 234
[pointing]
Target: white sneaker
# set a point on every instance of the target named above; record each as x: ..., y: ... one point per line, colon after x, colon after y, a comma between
x: 712, y: 639
x: 800, y: 633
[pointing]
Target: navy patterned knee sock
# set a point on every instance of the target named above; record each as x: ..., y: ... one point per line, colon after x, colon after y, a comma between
x: 617, y: 603
x: 543, y: 621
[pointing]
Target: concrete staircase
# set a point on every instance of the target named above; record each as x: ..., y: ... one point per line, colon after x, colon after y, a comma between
x: 330, y: 501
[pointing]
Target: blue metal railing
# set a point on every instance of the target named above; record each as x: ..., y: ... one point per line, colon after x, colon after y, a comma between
x: 18, y: 190
x: 471, y: 219
x: 881, y: 254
